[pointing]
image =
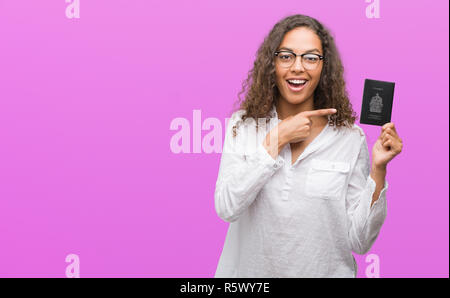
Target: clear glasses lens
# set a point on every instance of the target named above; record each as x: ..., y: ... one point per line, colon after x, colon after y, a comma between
x: 286, y: 59
x: 309, y: 61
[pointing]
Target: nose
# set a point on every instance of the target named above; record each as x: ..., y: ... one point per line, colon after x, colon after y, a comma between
x: 297, y: 65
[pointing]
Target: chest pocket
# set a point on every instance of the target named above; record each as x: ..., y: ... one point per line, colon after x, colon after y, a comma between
x: 326, y: 179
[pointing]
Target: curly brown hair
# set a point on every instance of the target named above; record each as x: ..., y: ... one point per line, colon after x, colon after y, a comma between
x: 262, y: 92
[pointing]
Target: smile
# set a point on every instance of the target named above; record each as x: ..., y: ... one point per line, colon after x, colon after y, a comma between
x: 296, y: 85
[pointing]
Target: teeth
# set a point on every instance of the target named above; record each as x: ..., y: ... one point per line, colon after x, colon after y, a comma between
x: 297, y: 81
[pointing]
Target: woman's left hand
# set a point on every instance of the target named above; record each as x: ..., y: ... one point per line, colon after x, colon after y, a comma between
x: 387, y: 146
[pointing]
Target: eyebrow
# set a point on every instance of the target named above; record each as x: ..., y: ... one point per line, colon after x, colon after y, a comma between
x: 308, y: 51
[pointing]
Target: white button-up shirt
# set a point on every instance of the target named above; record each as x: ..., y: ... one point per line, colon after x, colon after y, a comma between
x: 296, y: 220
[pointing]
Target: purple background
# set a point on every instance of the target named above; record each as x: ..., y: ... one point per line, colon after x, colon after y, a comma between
x: 85, y: 109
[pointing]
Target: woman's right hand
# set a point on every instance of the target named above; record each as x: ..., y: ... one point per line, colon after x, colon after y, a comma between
x: 293, y: 129
x: 297, y: 128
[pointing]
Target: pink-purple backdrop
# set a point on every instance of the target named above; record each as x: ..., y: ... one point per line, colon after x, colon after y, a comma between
x: 85, y: 109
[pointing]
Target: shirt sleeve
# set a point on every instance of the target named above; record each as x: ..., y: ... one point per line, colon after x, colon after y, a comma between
x: 364, y: 221
x: 242, y: 173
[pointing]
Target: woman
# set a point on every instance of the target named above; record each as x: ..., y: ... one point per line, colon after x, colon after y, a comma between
x: 306, y: 196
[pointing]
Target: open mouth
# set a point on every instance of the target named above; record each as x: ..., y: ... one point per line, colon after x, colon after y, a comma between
x: 296, y: 85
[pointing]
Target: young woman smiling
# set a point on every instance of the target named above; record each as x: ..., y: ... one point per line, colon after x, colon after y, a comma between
x: 307, y: 195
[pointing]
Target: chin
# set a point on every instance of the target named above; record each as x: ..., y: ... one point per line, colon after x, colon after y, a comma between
x: 295, y: 100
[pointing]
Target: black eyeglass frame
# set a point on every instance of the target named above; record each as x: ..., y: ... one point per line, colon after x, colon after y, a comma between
x: 297, y: 55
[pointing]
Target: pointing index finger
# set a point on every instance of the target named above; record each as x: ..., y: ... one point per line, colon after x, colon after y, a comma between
x: 321, y: 112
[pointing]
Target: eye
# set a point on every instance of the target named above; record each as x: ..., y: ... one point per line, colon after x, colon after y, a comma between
x: 285, y: 56
x: 311, y: 58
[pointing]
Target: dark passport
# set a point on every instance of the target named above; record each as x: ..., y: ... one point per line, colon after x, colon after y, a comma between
x: 376, y: 107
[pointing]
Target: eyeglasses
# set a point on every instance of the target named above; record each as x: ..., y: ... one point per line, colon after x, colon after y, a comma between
x: 309, y: 61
